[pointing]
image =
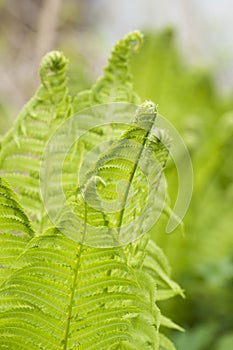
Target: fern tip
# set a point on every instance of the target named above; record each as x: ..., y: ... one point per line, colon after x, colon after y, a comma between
x: 52, y: 62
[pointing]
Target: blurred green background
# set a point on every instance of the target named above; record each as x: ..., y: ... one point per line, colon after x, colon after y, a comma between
x: 185, y: 66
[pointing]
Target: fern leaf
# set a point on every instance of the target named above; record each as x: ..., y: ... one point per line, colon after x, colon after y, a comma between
x: 166, y: 322
x: 23, y: 145
x: 15, y: 229
x: 165, y: 343
x: 156, y: 265
x: 116, y: 84
x: 70, y: 301
x: 63, y: 294
x: 106, y: 197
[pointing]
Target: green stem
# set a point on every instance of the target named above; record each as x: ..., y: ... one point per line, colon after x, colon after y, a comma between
x: 122, y: 212
x: 77, y: 266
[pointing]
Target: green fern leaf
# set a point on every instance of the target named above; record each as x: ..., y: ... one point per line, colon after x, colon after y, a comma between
x: 23, y: 145
x: 64, y: 297
x: 157, y: 266
x: 116, y: 84
x: 100, y: 203
x: 69, y: 301
x: 165, y: 343
x: 15, y: 229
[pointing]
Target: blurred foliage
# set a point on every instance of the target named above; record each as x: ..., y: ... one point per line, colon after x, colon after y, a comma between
x: 202, y: 260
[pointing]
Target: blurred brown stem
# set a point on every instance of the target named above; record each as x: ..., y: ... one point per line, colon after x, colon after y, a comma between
x: 47, y: 26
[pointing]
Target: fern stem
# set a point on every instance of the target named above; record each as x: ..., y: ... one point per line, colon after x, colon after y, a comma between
x: 121, y: 216
x: 66, y: 336
x: 77, y: 266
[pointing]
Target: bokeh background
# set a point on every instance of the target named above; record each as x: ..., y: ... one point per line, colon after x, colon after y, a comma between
x: 186, y: 67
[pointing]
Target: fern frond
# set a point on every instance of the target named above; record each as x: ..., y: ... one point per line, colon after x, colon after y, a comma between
x: 63, y: 293
x: 57, y: 293
x: 114, y: 193
x: 157, y: 266
x: 15, y: 229
x: 23, y: 145
x: 116, y: 84
x: 165, y: 343
x: 166, y: 322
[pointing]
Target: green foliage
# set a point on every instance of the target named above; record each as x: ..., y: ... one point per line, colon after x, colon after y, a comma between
x: 226, y: 342
x: 57, y: 293
x: 116, y: 84
x: 203, y: 259
x: 15, y: 229
x: 22, y: 147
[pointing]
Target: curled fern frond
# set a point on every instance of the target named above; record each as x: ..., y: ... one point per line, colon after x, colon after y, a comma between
x: 115, y: 193
x: 116, y: 83
x: 115, y: 86
x: 23, y: 145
